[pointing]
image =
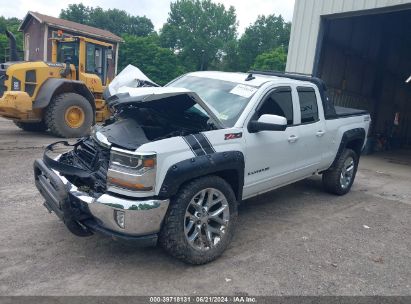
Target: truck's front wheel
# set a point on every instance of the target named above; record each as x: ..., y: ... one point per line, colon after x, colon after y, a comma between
x: 201, y: 220
x: 339, y: 179
x: 69, y: 115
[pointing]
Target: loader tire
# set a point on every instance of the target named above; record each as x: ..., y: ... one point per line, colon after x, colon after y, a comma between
x: 69, y: 115
x: 31, y: 126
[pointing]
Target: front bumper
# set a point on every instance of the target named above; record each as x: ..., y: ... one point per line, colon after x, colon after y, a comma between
x: 84, y: 214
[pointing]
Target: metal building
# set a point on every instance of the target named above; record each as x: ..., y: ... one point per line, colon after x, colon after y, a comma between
x: 362, y: 49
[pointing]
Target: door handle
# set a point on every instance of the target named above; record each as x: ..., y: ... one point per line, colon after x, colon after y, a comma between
x: 292, y: 139
x: 320, y: 133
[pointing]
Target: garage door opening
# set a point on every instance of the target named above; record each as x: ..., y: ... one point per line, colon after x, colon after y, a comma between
x: 365, y: 60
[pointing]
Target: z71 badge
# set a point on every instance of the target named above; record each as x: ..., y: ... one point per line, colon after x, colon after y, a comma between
x: 233, y: 136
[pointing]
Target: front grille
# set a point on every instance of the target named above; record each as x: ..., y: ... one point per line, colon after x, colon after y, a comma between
x: 95, y: 158
x: 90, y: 156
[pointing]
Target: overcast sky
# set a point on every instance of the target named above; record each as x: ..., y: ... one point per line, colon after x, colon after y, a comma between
x: 156, y: 10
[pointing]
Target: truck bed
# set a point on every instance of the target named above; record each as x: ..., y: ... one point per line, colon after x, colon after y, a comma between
x: 345, y: 112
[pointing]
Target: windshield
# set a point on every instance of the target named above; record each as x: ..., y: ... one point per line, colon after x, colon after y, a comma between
x: 228, y: 98
x: 67, y: 51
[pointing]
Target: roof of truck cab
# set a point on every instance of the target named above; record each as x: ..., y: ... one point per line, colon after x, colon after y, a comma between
x: 240, y: 78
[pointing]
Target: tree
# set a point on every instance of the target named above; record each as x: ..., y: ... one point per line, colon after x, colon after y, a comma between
x: 140, y: 26
x: 77, y: 13
x: 159, y: 64
x: 198, y: 31
x: 116, y: 21
x: 230, y: 59
x: 11, y: 24
x: 273, y: 60
x: 267, y: 33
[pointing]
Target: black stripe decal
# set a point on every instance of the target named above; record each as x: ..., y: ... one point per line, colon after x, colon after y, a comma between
x: 194, y: 145
x: 205, y: 144
x: 206, y: 138
x: 185, y: 139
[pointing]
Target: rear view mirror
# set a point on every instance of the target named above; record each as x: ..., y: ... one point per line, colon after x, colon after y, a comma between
x: 268, y: 123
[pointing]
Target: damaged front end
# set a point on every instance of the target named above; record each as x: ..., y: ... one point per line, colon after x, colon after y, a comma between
x: 76, y: 188
x: 107, y: 182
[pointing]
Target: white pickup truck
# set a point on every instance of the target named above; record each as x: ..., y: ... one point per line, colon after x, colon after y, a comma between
x: 174, y: 162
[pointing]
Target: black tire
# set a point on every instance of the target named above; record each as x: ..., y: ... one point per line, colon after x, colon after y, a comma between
x: 31, y: 126
x: 56, y: 111
x: 332, y: 177
x: 172, y: 236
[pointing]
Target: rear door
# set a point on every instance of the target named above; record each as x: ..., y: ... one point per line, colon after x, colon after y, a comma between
x: 311, y: 131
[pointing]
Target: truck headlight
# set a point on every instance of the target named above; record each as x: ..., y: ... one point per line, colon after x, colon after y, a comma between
x: 99, y: 137
x: 131, y: 171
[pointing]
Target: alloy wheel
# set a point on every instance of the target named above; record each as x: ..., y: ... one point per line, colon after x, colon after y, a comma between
x: 206, y: 219
x: 347, y: 172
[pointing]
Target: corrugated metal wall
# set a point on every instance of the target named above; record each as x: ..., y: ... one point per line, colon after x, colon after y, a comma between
x: 306, y: 25
x: 364, y: 60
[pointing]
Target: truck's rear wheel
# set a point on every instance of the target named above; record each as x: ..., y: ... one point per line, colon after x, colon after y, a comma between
x: 200, y: 222
x: 339, y: 179
x: 69, y: 115
x: 31, y: 126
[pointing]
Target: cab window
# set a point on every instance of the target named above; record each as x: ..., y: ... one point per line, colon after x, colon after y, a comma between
x: 279, y: 102
x: 68, y: 51
x: 96, y: 60
x: 308, y: 105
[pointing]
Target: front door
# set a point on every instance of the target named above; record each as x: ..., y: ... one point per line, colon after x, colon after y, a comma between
x: 96, y: 61
x: 270, y: 155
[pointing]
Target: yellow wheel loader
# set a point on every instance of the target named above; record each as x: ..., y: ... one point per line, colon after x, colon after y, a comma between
x: 64, y: 95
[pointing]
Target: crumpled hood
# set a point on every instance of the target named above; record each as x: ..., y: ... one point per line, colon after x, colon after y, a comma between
x: 142, y: 96
x: 130, y: 77
x: 126, y: 134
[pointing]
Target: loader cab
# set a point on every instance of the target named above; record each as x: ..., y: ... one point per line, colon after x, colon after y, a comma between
x: 90, y: 58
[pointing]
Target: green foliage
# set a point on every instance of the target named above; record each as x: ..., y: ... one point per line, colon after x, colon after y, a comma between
x: 199, y: 31
x: 274, y: 60
x: 11, y: 24
x: 198, y: 34
x: 267, y: 33
x: 230, y: 60
x: 159, y: 64
x: 77, y: 13
x: 116, y: 21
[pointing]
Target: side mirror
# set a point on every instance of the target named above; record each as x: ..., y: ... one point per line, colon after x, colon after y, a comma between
x: 268, y: 123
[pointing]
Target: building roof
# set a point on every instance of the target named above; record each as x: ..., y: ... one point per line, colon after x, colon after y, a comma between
x: 71, y: 26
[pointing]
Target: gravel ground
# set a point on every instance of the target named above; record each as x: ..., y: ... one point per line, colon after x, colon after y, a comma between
x: 297, y: 240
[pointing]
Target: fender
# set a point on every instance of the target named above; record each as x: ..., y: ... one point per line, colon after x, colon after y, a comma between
x: 215, y: 163
x: 53, y: 86
x: 350, y: 136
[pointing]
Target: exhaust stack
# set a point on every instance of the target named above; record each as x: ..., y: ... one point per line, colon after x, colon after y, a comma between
x: 12, y: 46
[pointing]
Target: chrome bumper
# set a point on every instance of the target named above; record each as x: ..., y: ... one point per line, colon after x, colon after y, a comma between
x: 141, y: 217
